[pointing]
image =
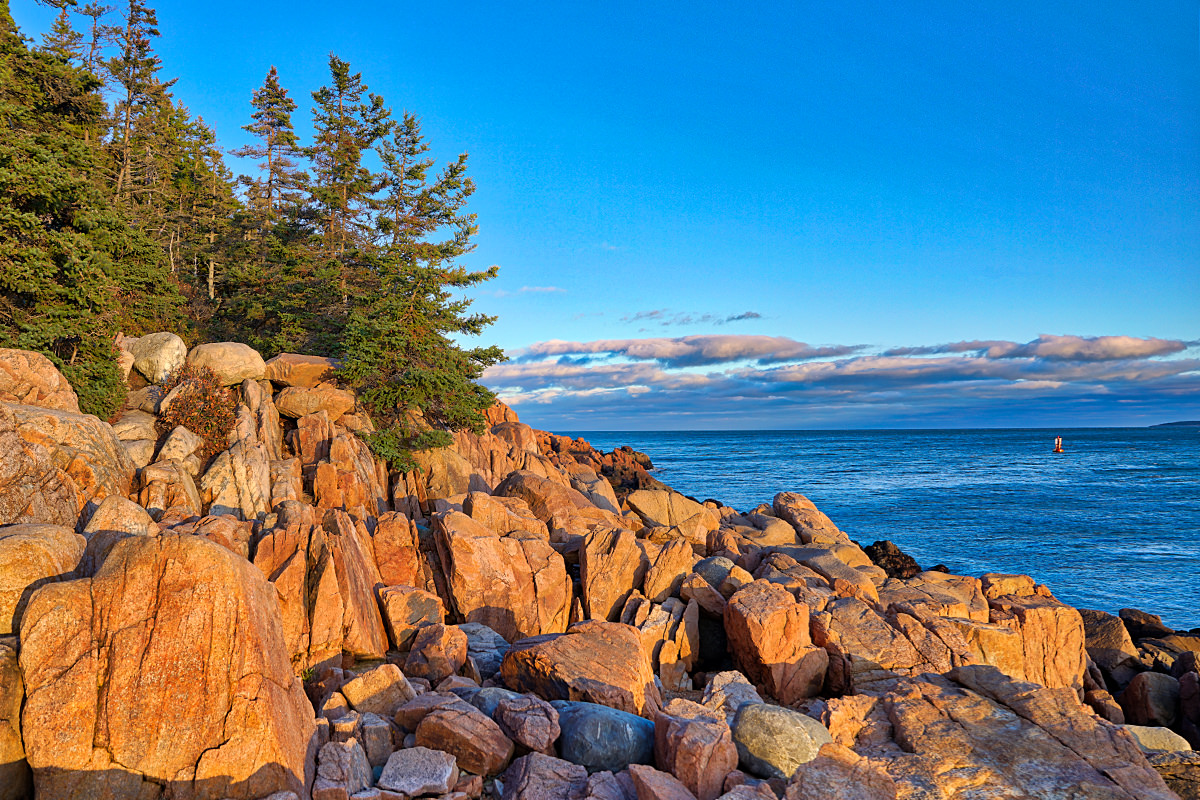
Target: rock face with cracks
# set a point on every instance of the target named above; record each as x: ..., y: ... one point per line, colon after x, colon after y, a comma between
x: 597, y: 662
x: 164, y: 675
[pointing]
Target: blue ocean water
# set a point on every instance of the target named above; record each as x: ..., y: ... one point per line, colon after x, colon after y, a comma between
x: 1113, y: 522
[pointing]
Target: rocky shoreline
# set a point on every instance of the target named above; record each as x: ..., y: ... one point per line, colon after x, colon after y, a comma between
x: 280, y: 616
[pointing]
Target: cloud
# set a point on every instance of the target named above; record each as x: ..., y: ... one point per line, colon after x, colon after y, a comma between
x: 733, y: 381
x: 1057, y: 348
x: 691, y: 351
x: 666, y: 317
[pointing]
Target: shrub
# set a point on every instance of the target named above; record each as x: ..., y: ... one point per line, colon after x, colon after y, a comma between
x: 202, y: 405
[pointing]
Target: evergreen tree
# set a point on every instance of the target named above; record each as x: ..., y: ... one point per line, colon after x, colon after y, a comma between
x: 62, y: 41
x: 400, y: 351
x: 100, y: 36
x: 346, y: 126
x: 278, y: 151
x: 135, y: 70
x: 74, y: 272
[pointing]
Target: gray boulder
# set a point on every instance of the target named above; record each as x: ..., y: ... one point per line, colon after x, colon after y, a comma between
x: 419, y: 770
x: 603, y: 738
x: 773, y: 741
x: 157, y: 355
x: 486, y: 647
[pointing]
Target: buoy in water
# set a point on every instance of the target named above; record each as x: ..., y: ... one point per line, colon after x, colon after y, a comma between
x: 1058, y: 448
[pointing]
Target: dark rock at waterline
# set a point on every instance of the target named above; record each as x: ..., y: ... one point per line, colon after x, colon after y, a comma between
x: 892, y: 560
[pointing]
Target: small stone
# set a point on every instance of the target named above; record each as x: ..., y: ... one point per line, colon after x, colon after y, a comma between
x: 653, y: 784
x: 542, y: 777
x: 381, y: 690
x: 438, y: 651
x: 529, y: 721
x: 342, y: 770
x: 475, y: 740
x: 419, y: 770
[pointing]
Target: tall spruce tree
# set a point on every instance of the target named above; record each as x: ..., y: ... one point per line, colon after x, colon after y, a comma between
x: 401, y: 352
x: 346, y: 125
x: 62, y: 41
x: 99, y: 36
x: 141, y: 93
x: 278, y: 150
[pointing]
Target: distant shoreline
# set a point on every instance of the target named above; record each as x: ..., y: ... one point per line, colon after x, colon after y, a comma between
x: 1194, y: 423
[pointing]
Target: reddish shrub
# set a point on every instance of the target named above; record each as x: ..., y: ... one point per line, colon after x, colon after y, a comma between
x: 202, y: 405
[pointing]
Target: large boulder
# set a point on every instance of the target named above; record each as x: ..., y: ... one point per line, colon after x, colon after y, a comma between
x: 291, y: 369
x: 612, y: 564
x: 866, y: 647
x: 406, y: 609
x: 321, y: 584
x: 231, y: 362
x: 976, y: 729
x: 810, y: 523
x: 31, y: 379
x: 30, y: 557
x: 419, y: 771
x: 475, y: 741
x: 694, y: 744
x: 661, y: 508
x: 167, y: 486
x: 594, y: 661
x: 49, y: 446
x: 541, y: 777
x: 157, y: 355
x: 238, y: 482
x: 537, y: 593
x: 1151, y: 699
x: 601, y: 738
x: 349, y: 544
x: 175, y: 653
x: 1109, y: 645
x: 33, y: 488
x: 299, y: 401
x: 1052, y: 637
x: 550, y: 501
x: 769, y: 638
x: 772, y: 741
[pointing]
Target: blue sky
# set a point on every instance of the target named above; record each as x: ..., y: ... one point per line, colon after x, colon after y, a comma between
x: 885, y: 184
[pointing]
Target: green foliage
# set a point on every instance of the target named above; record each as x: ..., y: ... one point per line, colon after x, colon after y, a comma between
x: 74, y: 272
x: 397, y: 443
x: 202, y: 405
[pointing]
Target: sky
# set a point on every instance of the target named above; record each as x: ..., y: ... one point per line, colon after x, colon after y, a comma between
x: 791, y: 215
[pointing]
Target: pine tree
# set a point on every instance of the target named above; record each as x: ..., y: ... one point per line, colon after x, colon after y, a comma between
x: 135, y: 70
x: 100, y: 36
x: 62, y: 41
x: 278, y: 151
x: 400, y: 354
x: 346, y: 126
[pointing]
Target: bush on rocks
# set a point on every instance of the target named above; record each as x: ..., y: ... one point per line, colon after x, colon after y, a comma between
x: 194, y: 398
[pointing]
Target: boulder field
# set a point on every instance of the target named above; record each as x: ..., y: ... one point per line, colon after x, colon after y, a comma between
x: 520, y: 617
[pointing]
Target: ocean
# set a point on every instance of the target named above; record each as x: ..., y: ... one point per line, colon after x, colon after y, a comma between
x: 1113, y: 522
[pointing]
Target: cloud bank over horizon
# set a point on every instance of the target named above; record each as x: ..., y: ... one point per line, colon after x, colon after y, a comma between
x: 745, y: 381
